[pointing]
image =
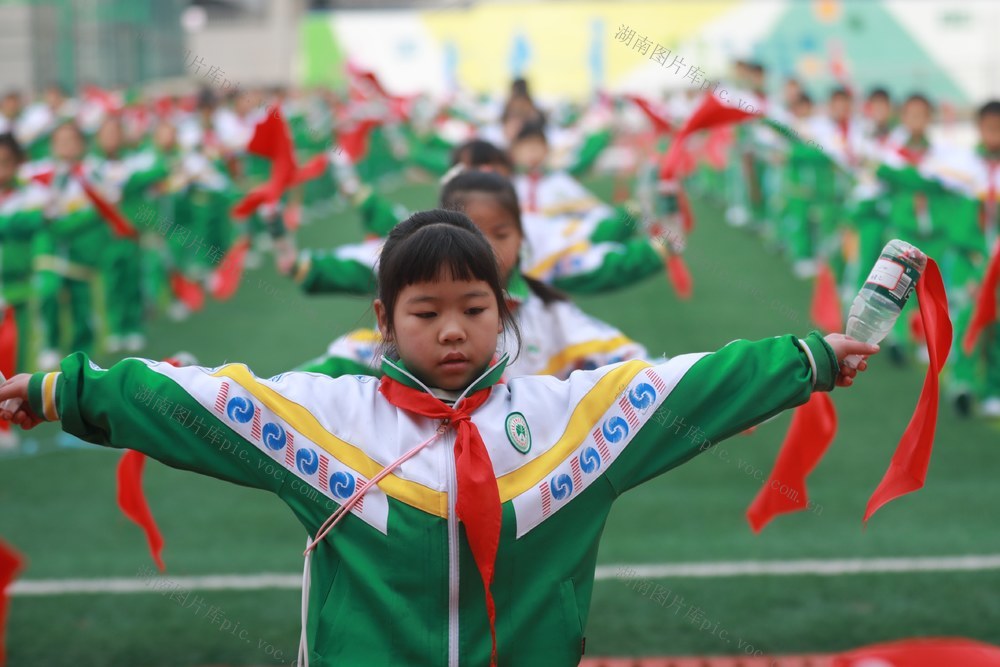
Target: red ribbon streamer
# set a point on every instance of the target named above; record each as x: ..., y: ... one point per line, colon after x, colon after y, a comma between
x: 8, y: 351
x: 132, y: 502
x: 187, y: 291
x: 11, y: 563
x: 813, y: 428
x: 825, y: 310
x: 660, y: 124
x: 711, y: 113
x: 985, y: 310
x: 680, y: 277
x: 908, y: 468
x: 272, y: 140
x: 226, y: 278
x: 478, y: 499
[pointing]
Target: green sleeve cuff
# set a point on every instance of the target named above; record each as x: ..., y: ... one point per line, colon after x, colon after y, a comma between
x: 826, y: 368
x: 44, y: 394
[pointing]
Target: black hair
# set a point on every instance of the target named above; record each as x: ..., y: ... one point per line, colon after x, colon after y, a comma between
x: 841, y: 91
x: 71, y: 124
x: 922, y: 99
x: 428, y: 242
x: 991, y: 108
x: 879, y: 93
x: 9, y: 142
x: 519, y: 86
x: 531, y: 131
x: 477, y: 153
x: 455, y: 195
x: 804, y: 98
x: 515, y: 106
x: 206, y: 99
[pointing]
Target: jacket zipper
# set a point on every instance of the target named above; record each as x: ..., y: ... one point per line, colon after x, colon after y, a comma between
x: 453, y: 570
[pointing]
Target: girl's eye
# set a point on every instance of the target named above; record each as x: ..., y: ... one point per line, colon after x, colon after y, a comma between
x: 425, y: 316
x: 474, y: 311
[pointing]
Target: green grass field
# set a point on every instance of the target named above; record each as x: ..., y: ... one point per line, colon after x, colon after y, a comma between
x: 58, y: 507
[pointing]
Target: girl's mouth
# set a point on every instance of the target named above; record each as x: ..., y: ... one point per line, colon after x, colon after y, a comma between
x: 454, y: 361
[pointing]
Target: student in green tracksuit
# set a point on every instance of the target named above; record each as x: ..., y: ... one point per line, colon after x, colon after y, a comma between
x: 22, y: 217
x: 926, y: 207
x: 557, y: 337
x: 71, y: 250
x: 125, y: 179
x: 607, y: 251
x: 868, y: 206
x: 530, y: 468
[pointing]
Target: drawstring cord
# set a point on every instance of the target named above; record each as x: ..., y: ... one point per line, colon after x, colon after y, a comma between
x: 334, y: 519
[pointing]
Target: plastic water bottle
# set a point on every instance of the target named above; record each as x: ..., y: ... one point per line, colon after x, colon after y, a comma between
x: 885, y: 292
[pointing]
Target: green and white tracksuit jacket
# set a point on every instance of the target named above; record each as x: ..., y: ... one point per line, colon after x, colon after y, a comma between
x: 395, y: 583
x: 575, y: 255
x: 556, y: 339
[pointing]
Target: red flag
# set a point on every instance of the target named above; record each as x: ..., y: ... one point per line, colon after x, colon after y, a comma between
x: 908, y: 468
x: 985, y: 310
x: 354, y: 142
x: 187, y: 291
x: 226, y: 279
x: 11, y: 563
x: 809, y: 435
x: 711, y: 113
x: 132, y: 501
x: 680, y: 277
x: 825, y: 310
x: 923, y: 652
x: 660, y: 123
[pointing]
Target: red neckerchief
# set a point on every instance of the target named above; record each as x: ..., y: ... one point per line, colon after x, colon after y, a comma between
x: 478, y: 498
x: 531, y: 206
x: 845, y: 127
x: 116, y: 221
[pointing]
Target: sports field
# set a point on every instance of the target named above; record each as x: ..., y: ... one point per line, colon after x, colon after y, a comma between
x: 58, y: 505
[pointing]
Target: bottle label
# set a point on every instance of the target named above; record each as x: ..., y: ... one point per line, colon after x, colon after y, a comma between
x: 892, y: 279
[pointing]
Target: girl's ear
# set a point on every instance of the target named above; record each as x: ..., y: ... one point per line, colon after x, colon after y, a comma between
x: 383, y: 320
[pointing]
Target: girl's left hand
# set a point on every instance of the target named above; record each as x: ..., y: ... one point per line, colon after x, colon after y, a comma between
x: 845, y: 346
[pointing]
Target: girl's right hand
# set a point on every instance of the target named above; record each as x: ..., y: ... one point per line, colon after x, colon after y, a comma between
x: 14, y: 406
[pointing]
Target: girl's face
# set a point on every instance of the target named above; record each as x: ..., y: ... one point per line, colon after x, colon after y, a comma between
x: 916, y: 116
x: 8, y: 166
x: 165, y: 136
x: 445, y: 331
x: 109, y: 138
x: 67, y: 144
x: 529, y: 154
x: 499, y: 227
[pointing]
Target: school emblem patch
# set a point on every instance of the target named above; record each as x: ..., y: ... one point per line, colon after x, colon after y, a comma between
x: 518, y: 432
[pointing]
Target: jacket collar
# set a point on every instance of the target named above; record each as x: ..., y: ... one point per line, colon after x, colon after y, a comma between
x: 396, y: 369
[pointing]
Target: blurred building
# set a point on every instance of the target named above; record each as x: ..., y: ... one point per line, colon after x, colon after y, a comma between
x: 111, y: 43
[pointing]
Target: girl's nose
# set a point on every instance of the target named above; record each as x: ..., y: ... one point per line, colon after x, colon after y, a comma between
x: 452, y: 332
